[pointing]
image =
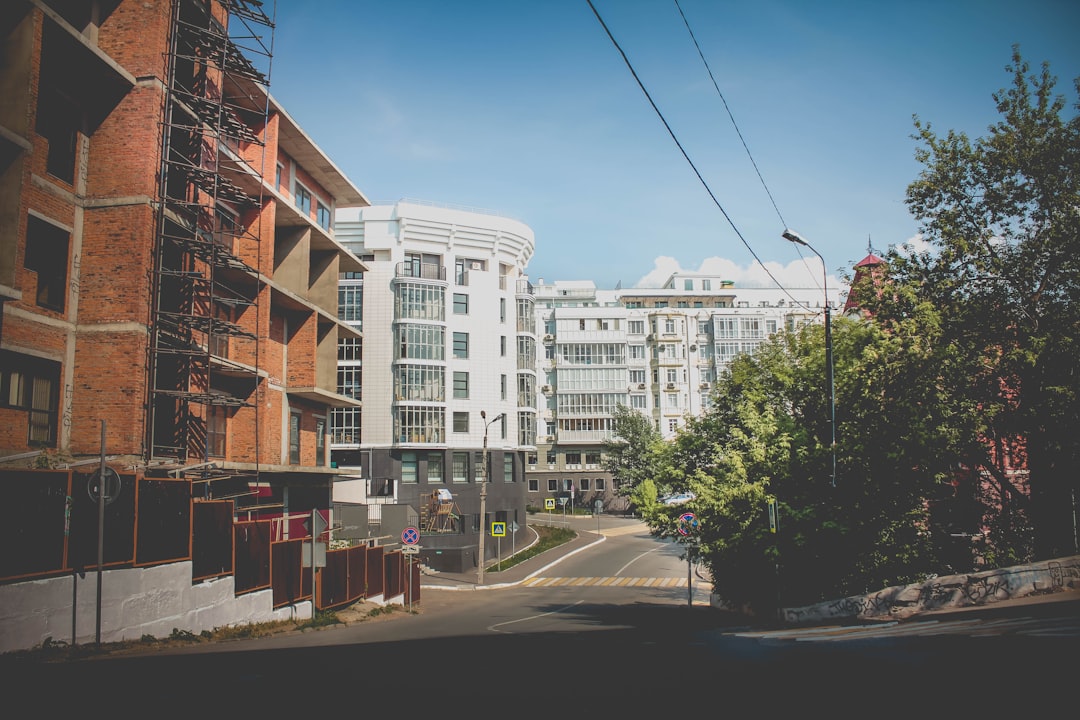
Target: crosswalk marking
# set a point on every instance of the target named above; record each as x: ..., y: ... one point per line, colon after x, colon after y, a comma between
x: 609, y: 581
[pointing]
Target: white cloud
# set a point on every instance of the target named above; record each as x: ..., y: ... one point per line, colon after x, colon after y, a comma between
x: 915, y: 245
x: 803, y: 273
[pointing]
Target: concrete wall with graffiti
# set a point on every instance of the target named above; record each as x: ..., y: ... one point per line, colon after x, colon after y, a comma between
x: 946, y: 592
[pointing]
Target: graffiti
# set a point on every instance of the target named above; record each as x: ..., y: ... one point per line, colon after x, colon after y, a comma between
x: 69, y: 392
x: 1059, y: 572
x: 935, y: 594
x: 992, y: 588
x: 954, y: 591
x: 76, y: 266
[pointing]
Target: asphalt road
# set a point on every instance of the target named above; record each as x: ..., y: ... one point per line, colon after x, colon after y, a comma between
x: 565, y: 643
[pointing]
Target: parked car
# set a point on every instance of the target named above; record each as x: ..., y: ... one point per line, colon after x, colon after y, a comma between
x: 678, y: 498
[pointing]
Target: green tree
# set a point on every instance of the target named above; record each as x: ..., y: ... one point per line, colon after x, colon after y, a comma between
x: 1003, y: 270
x: 630, y: 455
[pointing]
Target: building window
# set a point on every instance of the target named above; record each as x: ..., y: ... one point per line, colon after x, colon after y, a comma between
x: 461, y: 385
x: 434, y: 468
x: 461, y: 467
x: 478, y: 466
x: 502, y: 346
x: 502, y: 310
x: 461, y: 304
x: 573, y: 459
x: 349, y: 349
x: 419, y: 424
x: 350, y: 303
x: 47, y: 256
x: 461, y: 422
x: 32, y: 384
x: 534, y: 485
x: 550, y: 457
x: 420, y: 382
x: 348, y: 381
x: 592, y: 459
x: 585, y: 484
x: 303, y: 200
x: 600, y: 485
x: 420, y: 342
x: 345, y: 425
x: 416, y: 301
x: 278, y: 172
x: 502, y: 386
x: 58, y: 120
x: 216, y: 424
x: 531, y: 457
x: 553, y: 485
x: 508, y: 468
x: 294, y: 439
x: 706, y: 284
x: 409, y: 466
x: 461, y: 345
x: 322, y: 215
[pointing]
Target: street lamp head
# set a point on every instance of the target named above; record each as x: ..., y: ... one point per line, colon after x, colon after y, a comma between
x: 483, y: 414
x: 792, y: 236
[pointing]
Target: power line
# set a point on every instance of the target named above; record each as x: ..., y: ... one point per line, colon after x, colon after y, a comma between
x: 733, y: 123
x: 685, y: 155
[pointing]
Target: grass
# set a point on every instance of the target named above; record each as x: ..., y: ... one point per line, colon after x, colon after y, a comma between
x: 550, y: 537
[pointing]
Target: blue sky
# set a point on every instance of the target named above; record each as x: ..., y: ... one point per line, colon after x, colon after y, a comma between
x: 527, y: 108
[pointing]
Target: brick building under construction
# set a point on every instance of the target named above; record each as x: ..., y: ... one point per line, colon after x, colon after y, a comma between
x: 168, y: 269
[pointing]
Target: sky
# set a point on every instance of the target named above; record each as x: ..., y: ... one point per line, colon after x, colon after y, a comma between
x: 732, y: 121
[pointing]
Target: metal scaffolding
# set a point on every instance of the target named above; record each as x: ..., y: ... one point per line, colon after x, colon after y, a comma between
x: 207, y: 281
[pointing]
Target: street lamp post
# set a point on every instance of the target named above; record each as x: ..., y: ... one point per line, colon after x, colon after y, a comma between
x: 483, y: 497
x: 794, y: 237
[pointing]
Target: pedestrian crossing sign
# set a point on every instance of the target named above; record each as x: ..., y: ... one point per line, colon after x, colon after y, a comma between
x: 498, y: 529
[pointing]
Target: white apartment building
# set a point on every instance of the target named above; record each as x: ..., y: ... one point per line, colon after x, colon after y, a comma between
x: 445, y: 373
x: 657, y: 350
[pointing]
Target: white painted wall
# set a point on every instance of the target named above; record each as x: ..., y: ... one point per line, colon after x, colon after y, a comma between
x: 134, y: 602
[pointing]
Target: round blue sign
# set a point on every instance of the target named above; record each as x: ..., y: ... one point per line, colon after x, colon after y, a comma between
x: 410, y: 536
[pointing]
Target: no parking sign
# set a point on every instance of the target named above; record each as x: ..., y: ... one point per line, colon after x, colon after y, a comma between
x: 687, y: 523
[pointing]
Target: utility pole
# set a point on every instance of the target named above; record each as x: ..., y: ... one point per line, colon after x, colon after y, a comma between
x: 483, y: 498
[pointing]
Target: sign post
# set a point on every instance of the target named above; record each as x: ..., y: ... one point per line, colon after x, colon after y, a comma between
x: 410, y: 536
x: 498, y: 531
x: 688, y: 524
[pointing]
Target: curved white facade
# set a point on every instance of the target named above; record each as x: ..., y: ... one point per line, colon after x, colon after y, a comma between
x: 473, y: 264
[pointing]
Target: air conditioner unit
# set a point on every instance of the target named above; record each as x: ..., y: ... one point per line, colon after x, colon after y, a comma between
x: 549, y: 338
x: 693, y: 348
x: 546, y: 389
x: 641, y: 386
x: 476, y: 265
x: 705, y: 386
x: 671, y: 386
x: 649, y: 338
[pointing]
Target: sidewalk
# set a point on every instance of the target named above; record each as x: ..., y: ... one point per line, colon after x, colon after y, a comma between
x: 587, y: 536
x: 523, y: 570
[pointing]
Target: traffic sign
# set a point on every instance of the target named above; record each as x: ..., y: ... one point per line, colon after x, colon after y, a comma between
x: 111, y: 485
x: 410, y: 550
x: 687, y: 522
x: 410, y: 536
x: 498, y: 529
x: 549, y: 503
